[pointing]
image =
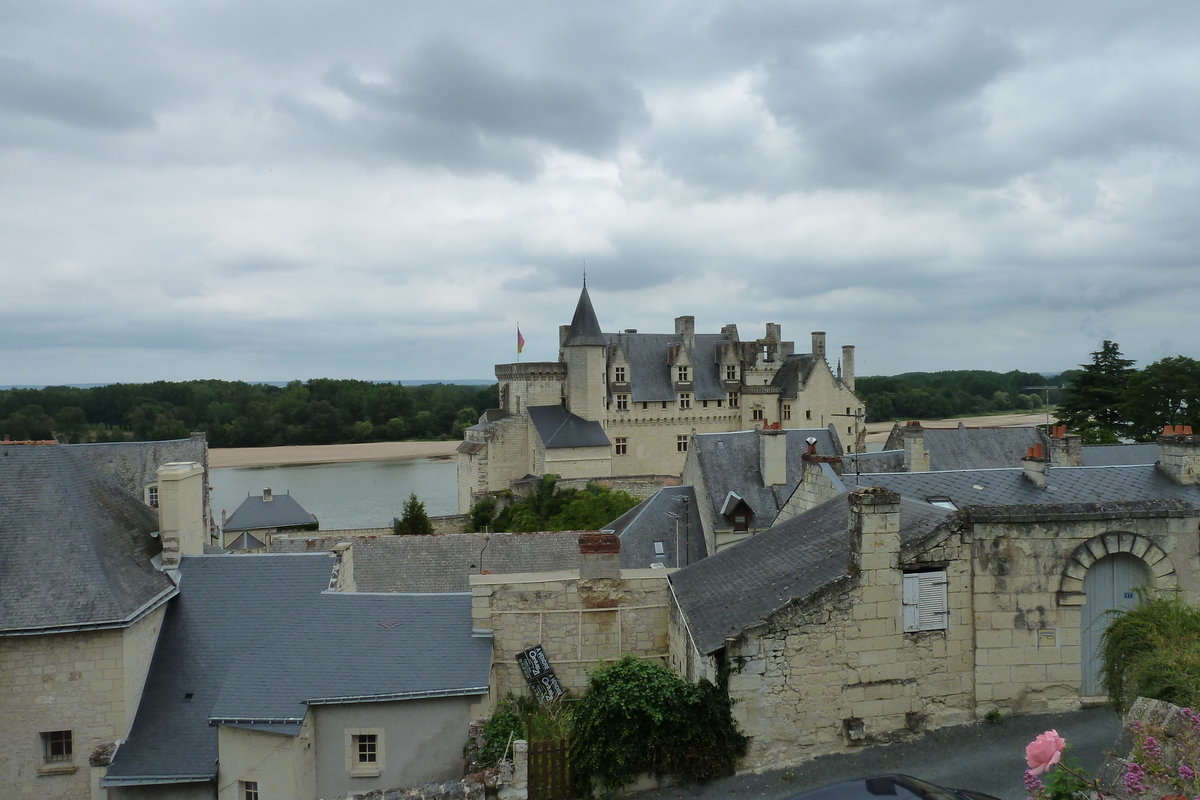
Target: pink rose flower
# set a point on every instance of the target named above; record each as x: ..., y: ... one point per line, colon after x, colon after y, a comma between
x: 1044, y: 752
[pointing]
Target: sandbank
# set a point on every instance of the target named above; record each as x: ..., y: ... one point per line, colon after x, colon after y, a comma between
x: 326, y: 453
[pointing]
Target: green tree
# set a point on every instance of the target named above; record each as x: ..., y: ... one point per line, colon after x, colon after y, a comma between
x: 1152, y: 650
x: 414, y: 521
x: 1166, y: 392
x: 1093, y: 405
x: 71, y: 422
x: 482, y: 515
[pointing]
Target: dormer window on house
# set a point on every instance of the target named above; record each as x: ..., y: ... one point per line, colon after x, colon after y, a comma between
x: 731, y: 372
x: 682, y: 373
x: 619, y: 374
x: 622, y: 402
x: 733, y: 399
x: 685, y: 401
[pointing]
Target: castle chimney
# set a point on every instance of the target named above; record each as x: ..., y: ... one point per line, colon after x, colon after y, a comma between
x: 599, y: 556
x: 848, y: 366
x: 267, y: 495
x: 180, y: 511
x: 818, y: 344
x: 772, y: 455
x: 685, y: 329
x: 916, y: 457
x: 1035, y: 466
x: 1179, y: 454
x: 875, y: 538
x: 1066, y: 449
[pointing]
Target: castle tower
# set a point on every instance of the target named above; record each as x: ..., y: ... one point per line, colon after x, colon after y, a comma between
x: 584, y: 351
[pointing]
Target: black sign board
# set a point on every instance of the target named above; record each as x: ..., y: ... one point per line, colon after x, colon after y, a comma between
x: 539, y: 675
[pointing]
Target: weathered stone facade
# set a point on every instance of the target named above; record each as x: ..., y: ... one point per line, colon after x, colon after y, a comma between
x: 581, y: 623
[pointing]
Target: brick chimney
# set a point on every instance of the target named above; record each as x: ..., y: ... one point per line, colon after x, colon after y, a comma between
x: 1066, y: 449
x: 599, y: 556
x: 875, y: 541
x: 180, y: 511
x: 916, y: 457
x: 772, y: 455
x: 1035, y: 466
x: 1179, y: 454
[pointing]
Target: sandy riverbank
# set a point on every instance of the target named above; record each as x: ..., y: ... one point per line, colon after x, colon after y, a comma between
x: 326, y: 453
x: 878, y: 431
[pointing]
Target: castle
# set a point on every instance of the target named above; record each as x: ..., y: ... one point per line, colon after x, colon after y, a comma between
x: 626, y: 404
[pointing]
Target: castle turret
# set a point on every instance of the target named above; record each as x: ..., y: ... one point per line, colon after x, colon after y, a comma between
x: 583, y: 351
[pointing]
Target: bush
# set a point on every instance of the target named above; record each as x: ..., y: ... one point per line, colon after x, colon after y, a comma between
x: 415, y: 521
x: 513, y: 716
x: 1153, y: 650
x: 639, y: 717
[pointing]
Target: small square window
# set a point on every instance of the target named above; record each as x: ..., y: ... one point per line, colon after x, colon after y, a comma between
x: 808, y: 414
x: 248, y: 790
x: 659, y: 550
x: 621, y: 445
x: 367, y: 746
x: 57, y: 747
x: 685, y: 400
x: 664, y: 402
x: 926, y: 606
x: 152, y: 495
x: 364, y: 752
x: 681, y: 443
x: 705, y: 403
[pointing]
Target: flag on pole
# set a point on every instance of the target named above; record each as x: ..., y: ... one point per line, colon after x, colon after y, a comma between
x: 520, y: 341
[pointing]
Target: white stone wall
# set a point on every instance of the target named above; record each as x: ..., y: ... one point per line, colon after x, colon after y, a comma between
x: 578, y: 462
x: 283, y: 766
x: 88, y: 683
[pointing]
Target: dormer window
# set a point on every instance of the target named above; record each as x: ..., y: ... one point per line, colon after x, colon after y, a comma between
x: 622, y: 402
x: 619, y: 374
x: 682, y: 372
x: 731, y: 372
x: 685, y: 401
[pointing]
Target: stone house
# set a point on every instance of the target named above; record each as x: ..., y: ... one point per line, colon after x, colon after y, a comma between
x: 626, y: 404
x: 85, y: 578
x: 259, y: 518
x: 927, y: 599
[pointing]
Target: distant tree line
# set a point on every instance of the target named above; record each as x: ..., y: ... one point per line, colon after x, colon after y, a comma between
x: 238, y: 414
x: 955, y: 393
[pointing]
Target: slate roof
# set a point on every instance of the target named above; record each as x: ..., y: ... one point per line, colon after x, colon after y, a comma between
x: 281, y: 511
x: 1063, y: 485
x: 650, y: 379
x: 443, y: 562
x: 882, y: 461
x: 558, y: 428
x: 255, y: 639
x: 794, y: 373
x: 973, y: 448
x: 1111, y: 455
x: 585, y: 328
x: 76, y: 549
x: 740, y: 586
x: 651, y: 521
x: 135, y: 464
x: 729, y: 462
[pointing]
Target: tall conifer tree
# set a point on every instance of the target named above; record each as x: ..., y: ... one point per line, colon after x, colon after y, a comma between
x: 1093, y: 404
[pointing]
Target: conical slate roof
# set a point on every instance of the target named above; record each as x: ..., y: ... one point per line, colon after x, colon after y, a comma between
x: 75, y: 548
x: 585, y: 329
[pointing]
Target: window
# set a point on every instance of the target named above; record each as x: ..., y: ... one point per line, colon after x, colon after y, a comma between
x: 808, y: 414
x: 925, y: 601
x: 685, y: 400
x: 741, y: 523
x: 847, y: 411
x: 364, y: 752
x: 152, y: 495
x: 719, y: 403
x: 683, y: 374
x: 621, y: 445
x: 942, y: 501
x: 622, y: 402
x: 731, y: 373
x: 659, y: 550
x: 619, y: 374
x: 681, y: 443
x: 645, y: 406
x: 705, y: 403
x: 787, y: 411
x: 248, y: 790
x: 664, y: 402
x: 733, y: 399
x: 56, y: 747
x: 756, y: 414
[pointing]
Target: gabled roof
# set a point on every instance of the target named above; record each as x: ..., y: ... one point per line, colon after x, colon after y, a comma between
x: 297, y: 645
x: 558, y: 428
x: 1111, y: 455
x: 973, y: 448
x: 442, y: 562
x: 793, y: 374
x: 880, y: 461
x: 650, y: 379
x: 76, y: 549
x: 585, y: 328
x: 741, y: 586
x: 652, y: 522
x: 1063, y: 485
x: 255, y: 514
x: 729, y: 463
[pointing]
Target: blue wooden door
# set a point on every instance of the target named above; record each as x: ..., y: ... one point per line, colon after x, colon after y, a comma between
x: 1109, y: 585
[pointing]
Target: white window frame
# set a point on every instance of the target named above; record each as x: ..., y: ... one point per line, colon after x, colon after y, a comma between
x: 619, y: 374
x: 685, y: 400
x: 152, y: 495
x: 681, y: 443
x: 683, y: 373
x: 926, y: 601
x: 622, y: 402
x: 621, y: 445
x: 364, y: 769
x: 248, y: 790
x: 731, y: 373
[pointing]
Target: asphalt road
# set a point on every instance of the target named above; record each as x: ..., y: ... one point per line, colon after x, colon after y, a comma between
x: 983, y: 756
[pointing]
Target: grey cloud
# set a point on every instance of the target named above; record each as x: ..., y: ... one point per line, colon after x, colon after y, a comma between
x: 78, y: 102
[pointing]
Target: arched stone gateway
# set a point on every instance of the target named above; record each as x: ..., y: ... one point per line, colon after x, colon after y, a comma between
x: 1103, y: 575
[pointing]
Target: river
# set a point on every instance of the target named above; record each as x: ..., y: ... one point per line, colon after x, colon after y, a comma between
x: 355, y: 494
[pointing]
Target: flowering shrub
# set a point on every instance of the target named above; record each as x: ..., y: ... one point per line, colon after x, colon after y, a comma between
x: 1153, y: 772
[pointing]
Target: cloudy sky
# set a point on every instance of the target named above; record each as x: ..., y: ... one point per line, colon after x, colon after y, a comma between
x: 273, y: 190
